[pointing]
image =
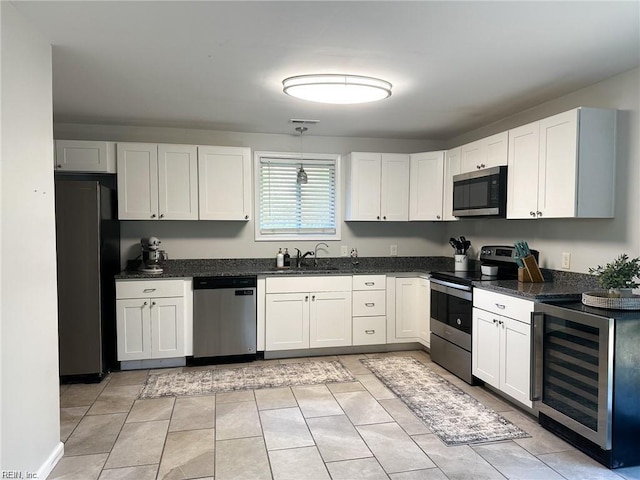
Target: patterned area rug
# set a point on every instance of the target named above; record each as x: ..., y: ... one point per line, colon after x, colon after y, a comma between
x: 453, y: 415
x: 216, y: 380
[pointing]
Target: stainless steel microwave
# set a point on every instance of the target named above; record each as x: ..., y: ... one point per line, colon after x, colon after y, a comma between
x: 482, y: 193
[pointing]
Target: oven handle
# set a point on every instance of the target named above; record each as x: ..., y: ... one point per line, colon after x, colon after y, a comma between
x: 453, y: 289
x: 537, y: 330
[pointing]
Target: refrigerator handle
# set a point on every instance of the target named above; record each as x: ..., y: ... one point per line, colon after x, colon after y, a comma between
x: 535, y: 385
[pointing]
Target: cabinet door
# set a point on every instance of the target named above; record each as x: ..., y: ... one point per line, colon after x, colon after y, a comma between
x: 451, y: 168
x: 424, y: 311
x: 407, y: 308
x: 133, y: 329
x: 137, y: 181
x: 522, y: 184
x: 85, y: 156
x: 177, y: 182
x: 496, y: 147
x: 472, y: 156
x: 515, y: 360
x: 287, y: 321
x: 330, y: 319
x: 485, y: 351
x: 167, y: 327
x: 224, y: 176
x: 558, y: 166
x: 426, y: 184
x: 363, y: 188
x: 394, y: 187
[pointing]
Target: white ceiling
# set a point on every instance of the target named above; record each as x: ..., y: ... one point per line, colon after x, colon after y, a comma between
x: 454, y: 66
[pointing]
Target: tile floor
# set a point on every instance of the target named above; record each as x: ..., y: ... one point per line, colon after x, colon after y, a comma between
x: 355, y: 430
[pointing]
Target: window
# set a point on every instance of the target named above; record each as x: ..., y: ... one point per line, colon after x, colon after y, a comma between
x: 287, y: 210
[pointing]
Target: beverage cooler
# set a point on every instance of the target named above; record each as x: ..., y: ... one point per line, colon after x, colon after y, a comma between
x: 586, y: 379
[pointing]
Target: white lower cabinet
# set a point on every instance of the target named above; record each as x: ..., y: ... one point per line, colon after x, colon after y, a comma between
x: 501, y: 351
x: 152, y: 319
x: 408, y: 310
x: 369, y: 310
x: 314, y: 318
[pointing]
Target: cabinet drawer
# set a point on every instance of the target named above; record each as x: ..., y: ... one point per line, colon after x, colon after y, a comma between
x: 369, y: 330
x: 369, y: 303
x: 149, y: 288
x: 369, y: 282
x: 505, y: 305
x: 311, y: 283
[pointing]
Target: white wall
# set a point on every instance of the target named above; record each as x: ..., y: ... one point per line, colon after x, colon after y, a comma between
x: 589, y: 241
x: 191, y: 239
x: 29, y: 399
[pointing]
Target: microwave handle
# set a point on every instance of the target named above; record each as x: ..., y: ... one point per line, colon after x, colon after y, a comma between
x: 535, y: 384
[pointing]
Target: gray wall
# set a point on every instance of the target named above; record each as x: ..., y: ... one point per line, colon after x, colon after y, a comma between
x: 589, y: 241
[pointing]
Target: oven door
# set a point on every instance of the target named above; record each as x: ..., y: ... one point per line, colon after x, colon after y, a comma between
x: 451, y: 312
x: 572, y: 370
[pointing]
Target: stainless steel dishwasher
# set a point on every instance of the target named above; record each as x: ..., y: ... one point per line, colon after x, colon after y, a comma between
x: 224, y: 316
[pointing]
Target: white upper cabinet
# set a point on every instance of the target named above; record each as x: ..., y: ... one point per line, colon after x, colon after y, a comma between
x: 563, y: 166
x: 377, y: 187
x: 224, y: 176
x: 484, y: 153
x: 157, y: 182
x: 451, y: 168
x: 426, y: 186
x: 85, y: 156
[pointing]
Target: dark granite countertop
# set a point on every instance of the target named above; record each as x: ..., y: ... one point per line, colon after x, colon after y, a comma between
x: 557, y: 284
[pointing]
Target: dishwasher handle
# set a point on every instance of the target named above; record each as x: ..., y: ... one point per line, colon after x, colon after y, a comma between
x: 211, y: 283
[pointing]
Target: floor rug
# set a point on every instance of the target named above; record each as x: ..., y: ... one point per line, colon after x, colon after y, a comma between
x: 217, y: 380
x: 453, y: 415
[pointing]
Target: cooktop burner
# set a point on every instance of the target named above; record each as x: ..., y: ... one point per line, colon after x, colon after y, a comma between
x: 504, y: 257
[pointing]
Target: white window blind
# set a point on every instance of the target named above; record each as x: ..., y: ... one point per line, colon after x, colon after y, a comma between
x: 290, y: 208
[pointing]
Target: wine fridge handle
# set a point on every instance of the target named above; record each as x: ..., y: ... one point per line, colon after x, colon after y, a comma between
x: 535, y: 386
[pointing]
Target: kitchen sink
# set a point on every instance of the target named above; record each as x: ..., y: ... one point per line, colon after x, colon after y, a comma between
x: 305, y: 269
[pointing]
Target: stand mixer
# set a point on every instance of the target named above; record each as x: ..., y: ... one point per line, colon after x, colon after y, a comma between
x: 151, y: 255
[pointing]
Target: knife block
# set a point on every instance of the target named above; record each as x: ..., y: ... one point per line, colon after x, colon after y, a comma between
x: 531, y: 272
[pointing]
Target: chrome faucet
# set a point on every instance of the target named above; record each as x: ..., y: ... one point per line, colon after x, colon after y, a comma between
x: 315, y: 253
x: 300, y: 258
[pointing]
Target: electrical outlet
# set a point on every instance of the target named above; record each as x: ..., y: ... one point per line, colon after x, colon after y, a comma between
x: 394, y: 250
x: 344, y: 251
x: 566, y: 260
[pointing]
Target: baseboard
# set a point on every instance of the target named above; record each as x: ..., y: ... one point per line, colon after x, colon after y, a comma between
x: 47, y: 467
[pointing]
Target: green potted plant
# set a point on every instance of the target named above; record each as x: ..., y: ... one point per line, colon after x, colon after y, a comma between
x: 618, y: 277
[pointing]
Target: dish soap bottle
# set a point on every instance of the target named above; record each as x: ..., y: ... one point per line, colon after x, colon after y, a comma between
x: 279, y: 259
x: 287, y: 258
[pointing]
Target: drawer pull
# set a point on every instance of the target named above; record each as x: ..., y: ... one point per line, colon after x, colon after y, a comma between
x: 369, y: 284
x: 148, y: 290
x: 369, y: 332
x: 370, y: 304
x: 500, y: 306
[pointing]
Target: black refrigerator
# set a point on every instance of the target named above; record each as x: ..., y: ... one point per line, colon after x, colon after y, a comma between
x: 88, y: 257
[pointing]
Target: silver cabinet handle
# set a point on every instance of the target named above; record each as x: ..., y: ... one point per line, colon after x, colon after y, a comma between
x: 162, y: 215
x: 153, y: 215
x: 500, y: 306
x: 539, y: 213
x: 313, y: 298
x: 369, y: 284
x: 153, y: 303
x: 246, y: 217
x: 495, y: 321
x: 370, y: 304
x: 533, y: 214
x: 369, y: 332
x: 148, y: 290
x: 145, y: 303
x: 306, y: 298
x: 378, y: 217
x: 438, y: 217
x: 384, y: 218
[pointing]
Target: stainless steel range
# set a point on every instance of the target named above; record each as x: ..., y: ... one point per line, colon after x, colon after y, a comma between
x: 452, y: 307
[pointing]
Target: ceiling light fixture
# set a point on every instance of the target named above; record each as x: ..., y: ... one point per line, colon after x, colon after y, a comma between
x: 337, y: 89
